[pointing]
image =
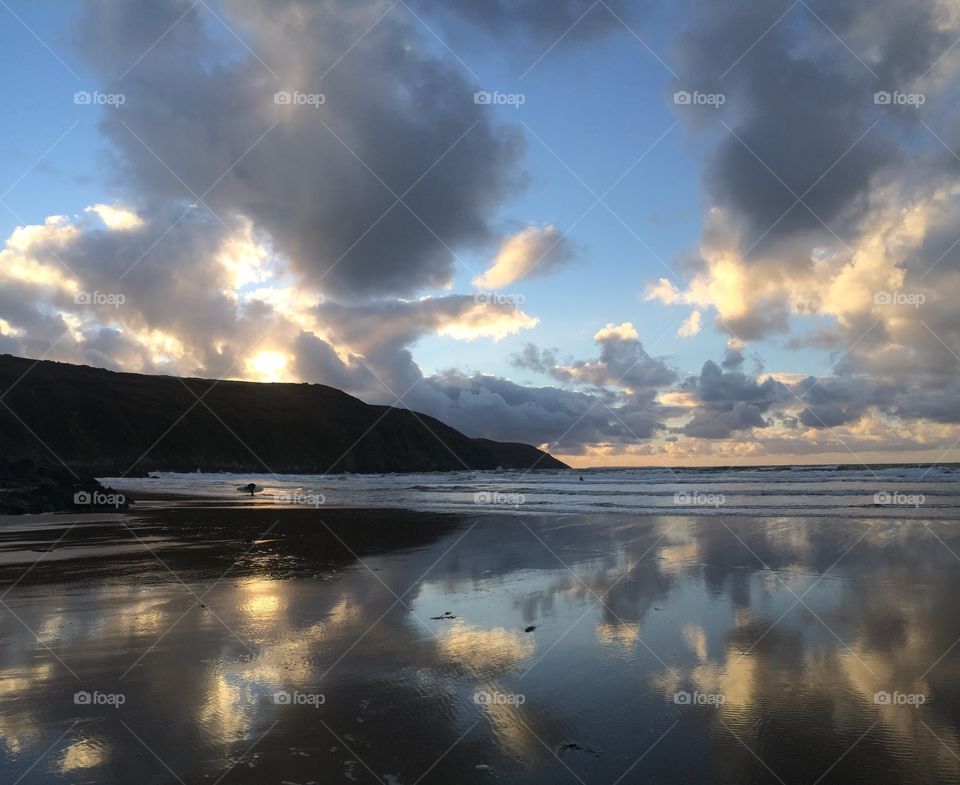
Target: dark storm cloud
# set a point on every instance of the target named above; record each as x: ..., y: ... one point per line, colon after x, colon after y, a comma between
x: 730, y: 401
x: 712, y: 423
x: 844, y: 400
x: 732, y: 359
x: 715, y: 387
x: 498, y: 408
x: 832, y: 402
x: 929, y: 398
x: 324, y: 181
x: 798, y: 101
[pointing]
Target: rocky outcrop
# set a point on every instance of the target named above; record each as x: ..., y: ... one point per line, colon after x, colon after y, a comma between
x: 30, y: 487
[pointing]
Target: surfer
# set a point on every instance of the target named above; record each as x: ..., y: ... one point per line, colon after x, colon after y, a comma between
x: 251, y: 488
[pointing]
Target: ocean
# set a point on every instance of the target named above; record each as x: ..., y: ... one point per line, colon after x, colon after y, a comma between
x: 899, y: 491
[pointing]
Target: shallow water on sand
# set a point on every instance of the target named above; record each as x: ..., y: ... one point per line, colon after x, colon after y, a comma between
x: 597, y: 649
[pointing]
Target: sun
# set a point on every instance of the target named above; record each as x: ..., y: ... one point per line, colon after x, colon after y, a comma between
x: 267, y: 366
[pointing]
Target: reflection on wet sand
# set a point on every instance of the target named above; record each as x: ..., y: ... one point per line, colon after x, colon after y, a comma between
x: 674, y: 649
x: 84, y: 753
x: 483, y: 651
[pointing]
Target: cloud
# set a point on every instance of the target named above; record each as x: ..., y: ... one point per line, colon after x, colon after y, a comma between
x: 318, y: 361
x: 732, y: 358
x: 690, y: 326
x: 868, y: 249
x: 73, y: 291
x: 663, y: 290
x: 366, y: 192
x: 530, y: 252
x: 622, y: 363
x: 533, y: 358
x: 730, y: 402
x: 381, y: 332
x: 800, y: 105
x: 117, y: 218
x: 566, y: 421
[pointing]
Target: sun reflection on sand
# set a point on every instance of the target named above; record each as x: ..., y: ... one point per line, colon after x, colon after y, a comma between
x: 228, y: 710
x: 261, y: 601
x: 235, y: 691
x: 510, y: 726
x: 19, y: 730
x: 85, y: 753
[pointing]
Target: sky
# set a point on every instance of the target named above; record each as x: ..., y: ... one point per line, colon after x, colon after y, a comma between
x: 629, y: 233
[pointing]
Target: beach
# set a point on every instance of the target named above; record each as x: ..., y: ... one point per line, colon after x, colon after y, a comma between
x: 530, y: 392
x: 208, y: 641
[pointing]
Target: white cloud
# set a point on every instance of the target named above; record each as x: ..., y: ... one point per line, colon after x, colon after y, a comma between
x: 530, y: 252
x: 690, y: 326
x: 620, y: 332
x: 116, y: 218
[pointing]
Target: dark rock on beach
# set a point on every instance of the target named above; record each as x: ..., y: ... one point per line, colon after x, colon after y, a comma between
x: 34, y: 487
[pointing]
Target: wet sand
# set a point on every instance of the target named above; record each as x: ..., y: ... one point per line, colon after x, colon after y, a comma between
x: 198, y: 643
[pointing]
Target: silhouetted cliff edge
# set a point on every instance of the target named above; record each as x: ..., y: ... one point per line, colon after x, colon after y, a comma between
x: 107, y: 424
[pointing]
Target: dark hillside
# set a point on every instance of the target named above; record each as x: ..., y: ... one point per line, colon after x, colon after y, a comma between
x: 111, y: 423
